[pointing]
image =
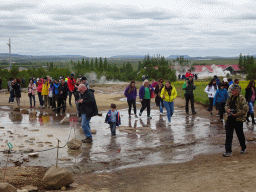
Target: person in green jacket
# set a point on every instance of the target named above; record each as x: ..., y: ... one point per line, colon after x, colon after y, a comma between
x: 189, y: 95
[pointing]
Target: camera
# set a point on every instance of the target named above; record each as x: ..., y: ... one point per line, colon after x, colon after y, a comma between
x: 232, y: 111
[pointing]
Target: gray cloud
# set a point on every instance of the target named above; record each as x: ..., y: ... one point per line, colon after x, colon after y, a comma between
x: 17, y: 6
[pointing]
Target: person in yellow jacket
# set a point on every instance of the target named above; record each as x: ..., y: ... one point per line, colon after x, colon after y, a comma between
x: 45, y: 91
x: 168, y: 94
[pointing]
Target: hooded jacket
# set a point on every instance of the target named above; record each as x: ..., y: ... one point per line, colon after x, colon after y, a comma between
x: 71, y: 84
x: 45, y: 88
x: 221, y: 96
x: 211, y: 91
x: 132, y: 95
x: 168, y: 98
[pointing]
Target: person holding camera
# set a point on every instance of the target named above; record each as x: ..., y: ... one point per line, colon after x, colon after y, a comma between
x: 236, y: 108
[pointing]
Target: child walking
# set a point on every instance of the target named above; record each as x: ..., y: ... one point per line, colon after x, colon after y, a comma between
x: 113, y: 118
x: 220, y: 99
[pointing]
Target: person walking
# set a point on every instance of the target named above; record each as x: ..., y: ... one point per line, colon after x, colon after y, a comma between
x: 145, y: 94
x: 157, y: 92
x: 236, y: 82
x: 0, y: 83
x: 63, y: 92
x: 250, y: 98
x: 236, y: 108
x: 113, y: 119
x: 55, y: 94
x: 32, y: 92
x: 88, y: 109
x: 9, y: 83
x: 71, y: 86
x: 45, y: 91
x: 17, y: 90
x: 220, y: 99
x: 168, y: 94
x: 131, y: 94
x: 84, y: 81
x: 211, y: 90
x: 189, y: 95
x: 39, y: 93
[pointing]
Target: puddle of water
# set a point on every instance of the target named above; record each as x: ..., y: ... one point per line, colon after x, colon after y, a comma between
x: 139, y: 141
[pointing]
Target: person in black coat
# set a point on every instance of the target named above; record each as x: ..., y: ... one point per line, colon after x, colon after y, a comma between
x: 62, y: 95
x: 157, y: 92
x: 17, y: 90
x: 88, y: 108
x: 250, y: 98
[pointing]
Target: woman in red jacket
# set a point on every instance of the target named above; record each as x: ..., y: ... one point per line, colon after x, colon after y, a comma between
x: 39, y: 90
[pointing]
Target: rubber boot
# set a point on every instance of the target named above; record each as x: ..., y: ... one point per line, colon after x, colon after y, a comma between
x: 247, y: 118
x: 252, y: 115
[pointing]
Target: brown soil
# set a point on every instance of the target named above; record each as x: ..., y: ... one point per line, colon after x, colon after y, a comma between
x: 210, y: 172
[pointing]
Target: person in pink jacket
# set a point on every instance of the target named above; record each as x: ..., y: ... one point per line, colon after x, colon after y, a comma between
x: 32, y: 92
x: 39, y: 91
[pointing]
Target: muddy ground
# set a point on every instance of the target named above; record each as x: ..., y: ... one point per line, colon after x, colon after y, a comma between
x: 205, y: 172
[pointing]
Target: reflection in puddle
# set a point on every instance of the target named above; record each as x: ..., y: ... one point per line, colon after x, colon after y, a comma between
x: 139, y: 141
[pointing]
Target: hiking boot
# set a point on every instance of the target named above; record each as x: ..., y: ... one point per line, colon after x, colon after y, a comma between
x: 130, y: 116
x: 194, y: 113
x: 140, y: 114
x: 149, y: 117
x: 70, y: 105
x: 227, y: 154
x: 87, y: 140
x: 243, y: 151
x: 136, y: 116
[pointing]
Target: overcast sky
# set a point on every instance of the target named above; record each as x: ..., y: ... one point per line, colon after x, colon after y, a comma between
x: 132, y: 27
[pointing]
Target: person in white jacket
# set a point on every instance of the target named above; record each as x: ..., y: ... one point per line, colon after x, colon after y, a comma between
x: 211, y: 89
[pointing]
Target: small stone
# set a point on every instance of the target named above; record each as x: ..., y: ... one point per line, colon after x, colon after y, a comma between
x: 49, y: 135
x: 47, y: 142
x: 50, y: 145
x: 65, y: 159
x: 33, y: 154
x: 32, y: 138
x: 65, y: 120
x: 28, y: 150
x: 26, y: 159
x: 63, y: 188
x: 16, y: 108
x: 31, y: 143
x: 24, y: 111
x: 39, y: 142
x: 34, y: 129
x: 2, y: 127
x: 25, y: 128
x: 33, y: 113
x: 30, y: 188
x: 23, y: 190
x: 40, y: 145
x: 93, y: 131
x: 21, y: 146
x: 11, y: 136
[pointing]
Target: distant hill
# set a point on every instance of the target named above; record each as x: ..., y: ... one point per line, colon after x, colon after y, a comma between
x: 37, y: 58
x: 127, y: 57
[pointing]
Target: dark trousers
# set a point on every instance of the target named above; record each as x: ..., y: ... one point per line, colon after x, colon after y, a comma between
x: 0, y: 86
x: 11, y: 98
x: 30, y: 100
x: 190, y: 97
x: 61, y: 104
x: 50, y: 101
x: 40, y: 98
x: 145, y: 104
x: 238, y: 126
x: 113, y: 128
x: 54, y: 101
x: 70, y: 96
x: 210, y: 104
x: 221, y: 108
x: 130, y: 104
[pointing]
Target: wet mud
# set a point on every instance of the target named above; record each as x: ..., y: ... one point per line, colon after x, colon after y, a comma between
x: 139, y: 141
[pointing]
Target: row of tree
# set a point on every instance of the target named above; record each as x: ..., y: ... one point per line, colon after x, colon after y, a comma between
x: 248, y: 66
x: 153, y: 67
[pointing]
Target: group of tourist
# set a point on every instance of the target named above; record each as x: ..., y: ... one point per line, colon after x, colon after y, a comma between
x: 225, y: 96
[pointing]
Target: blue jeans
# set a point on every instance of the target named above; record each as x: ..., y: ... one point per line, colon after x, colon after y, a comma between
x: 169, y: 106
x: 11, y: 98
x: 113, y: 128
x: 86, y: 125
x: 251, y: 106
x: 161, y: 107
x: 30, y: 100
